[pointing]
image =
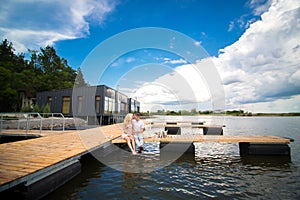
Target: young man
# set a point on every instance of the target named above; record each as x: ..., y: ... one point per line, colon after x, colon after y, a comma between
x: 138, y: 129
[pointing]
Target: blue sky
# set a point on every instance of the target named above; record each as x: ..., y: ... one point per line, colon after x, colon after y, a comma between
x: 253, y: 45
x: 201, y: 20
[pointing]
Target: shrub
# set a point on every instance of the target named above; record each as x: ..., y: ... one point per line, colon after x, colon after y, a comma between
x: 26, y: 109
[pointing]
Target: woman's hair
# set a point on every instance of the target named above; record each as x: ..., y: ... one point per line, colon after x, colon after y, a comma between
x: 128, y: 119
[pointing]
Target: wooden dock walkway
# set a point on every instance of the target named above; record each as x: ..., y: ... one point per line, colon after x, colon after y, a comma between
x: 38, y: 133
x: 29, y: 160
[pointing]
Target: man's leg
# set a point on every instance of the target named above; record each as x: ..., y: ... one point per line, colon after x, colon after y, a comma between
x: 141, y: 141
x: 137, y: 141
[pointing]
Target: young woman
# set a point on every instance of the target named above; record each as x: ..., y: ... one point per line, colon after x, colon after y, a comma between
x: 128, y: 132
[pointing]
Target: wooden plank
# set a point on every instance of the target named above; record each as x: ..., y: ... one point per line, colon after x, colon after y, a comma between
x: 162, y: 125
x: 24, y: 158
x: 213, y: 138
x: 196, y: 126
x: 30, y: 157
x: 30, y: 133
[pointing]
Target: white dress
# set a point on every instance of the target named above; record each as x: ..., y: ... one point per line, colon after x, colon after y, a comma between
x: 128, y: 131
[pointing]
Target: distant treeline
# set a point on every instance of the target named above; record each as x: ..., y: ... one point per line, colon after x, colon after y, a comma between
x: 243, y: 113
x: 180, y: 112
x: 276, y: 114
x: 23, y: 76
x: 171, y: 112
x: 193, y: 112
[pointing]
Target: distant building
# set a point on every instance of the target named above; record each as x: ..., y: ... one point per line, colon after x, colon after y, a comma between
x: 99, y: 104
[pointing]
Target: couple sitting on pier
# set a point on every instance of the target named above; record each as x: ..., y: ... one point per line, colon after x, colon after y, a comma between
x: 133, y: 132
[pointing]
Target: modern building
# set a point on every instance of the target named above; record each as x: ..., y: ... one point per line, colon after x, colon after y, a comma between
x: 98, y: 104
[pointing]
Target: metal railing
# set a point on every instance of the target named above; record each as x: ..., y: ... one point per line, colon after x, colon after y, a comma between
x: 27, y: 120
x: 52, y: 119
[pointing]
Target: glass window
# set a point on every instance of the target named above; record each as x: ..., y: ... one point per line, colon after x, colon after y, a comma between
x: 133, y: 106
x: 66, y: 105
x: 123, y: 108
x: 79, y: 108
x: 119, y: 107
x: 97, y: 104
x: 106, y: 105
x: 109, y: 106
x: 49, y: 101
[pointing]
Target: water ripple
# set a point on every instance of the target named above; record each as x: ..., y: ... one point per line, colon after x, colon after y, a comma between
x: 216, y: 172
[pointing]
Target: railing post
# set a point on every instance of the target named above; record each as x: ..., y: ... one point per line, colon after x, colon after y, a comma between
x: 27, y: 120
x: 18, y: 122
x: 1, y: 123
x: 41, y: 122
x: 51, y: 121
x: 63, y: 121
x: 27, y: 123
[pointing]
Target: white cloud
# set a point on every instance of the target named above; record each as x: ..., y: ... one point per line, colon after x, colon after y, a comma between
x: 40, y: 38
x: 182, y: 88
x: 259, y: 6
x: 280, y: 105
x: 260, y: 71
x: 120, y: 62
x: 197, y: 43
x: 295, y: 78
x: 263, y: 65
x: 231, y: 26
x: 36, y: 23
x: 174, y: 62
x: 130, y: 59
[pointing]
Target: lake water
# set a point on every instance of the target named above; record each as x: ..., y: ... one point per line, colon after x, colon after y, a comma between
x: 215, y: 172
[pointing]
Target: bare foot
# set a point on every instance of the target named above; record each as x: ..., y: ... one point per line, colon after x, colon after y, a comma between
x: 134, y: 153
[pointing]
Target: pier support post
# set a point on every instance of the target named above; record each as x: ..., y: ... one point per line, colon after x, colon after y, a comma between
x: 179, y: 147
x: 173, y: 130
x: 212, y: 131
x: 265, y: 149
x: 176, y: 150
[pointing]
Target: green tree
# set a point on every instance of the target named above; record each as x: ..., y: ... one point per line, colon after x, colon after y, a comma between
x: 11, y: 67
x: 194, y: 111
x: 47, y: 109
x: 36, y: 108
x: 20, y: 77
x: 56, y: 73
x: 185, y: 112
x: 79, y: 80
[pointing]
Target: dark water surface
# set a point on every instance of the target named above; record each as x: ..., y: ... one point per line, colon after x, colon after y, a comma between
x: 215, y: 172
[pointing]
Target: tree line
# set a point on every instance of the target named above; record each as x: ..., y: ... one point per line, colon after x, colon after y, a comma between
x: 180, y: 112
x: 193, y: 112
x: 43, y: 70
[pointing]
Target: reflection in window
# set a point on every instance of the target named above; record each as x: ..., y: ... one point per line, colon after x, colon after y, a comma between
x: 49, y: 101
x: 79, y: 108
x: 97, y: 104
x: 123, y: 108
x: 132, y: 105
x: 109, y: 105
x: 66, y: 105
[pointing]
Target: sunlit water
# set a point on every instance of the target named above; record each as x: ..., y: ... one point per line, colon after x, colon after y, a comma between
x: 215, y: 172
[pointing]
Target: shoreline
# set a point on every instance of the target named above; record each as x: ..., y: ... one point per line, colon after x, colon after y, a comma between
x: 232, y: 115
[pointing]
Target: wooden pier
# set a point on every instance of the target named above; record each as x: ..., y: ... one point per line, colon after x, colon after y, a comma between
x: 174, y: 127
x: 248, y: 145
x: 37, y: 133
x: 35, y: 163
x: 29, y: 161
x: 213, y: 138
